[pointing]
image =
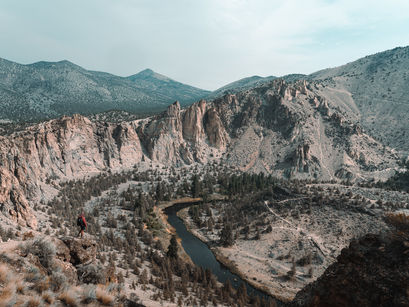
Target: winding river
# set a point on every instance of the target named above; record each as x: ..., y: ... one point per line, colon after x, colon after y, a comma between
x: 202, y: 256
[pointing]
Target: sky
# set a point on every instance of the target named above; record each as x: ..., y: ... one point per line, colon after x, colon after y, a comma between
x: 204, y: 43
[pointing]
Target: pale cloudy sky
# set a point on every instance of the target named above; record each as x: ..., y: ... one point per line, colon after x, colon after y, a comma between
x: 205, y: 43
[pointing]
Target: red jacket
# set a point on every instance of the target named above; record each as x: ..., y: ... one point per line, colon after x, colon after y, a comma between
x: 83, y: 219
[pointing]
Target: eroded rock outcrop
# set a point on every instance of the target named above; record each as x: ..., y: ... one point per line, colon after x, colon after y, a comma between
x: 81, y: 250
x: 193, y: 122
x: 13, y: 201
x: 372, y: 271
x: 67, y: 148
x: 276, y: 128
x: 215, y: 131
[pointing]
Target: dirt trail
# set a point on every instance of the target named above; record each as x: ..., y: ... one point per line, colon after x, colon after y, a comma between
x: 301, y: 231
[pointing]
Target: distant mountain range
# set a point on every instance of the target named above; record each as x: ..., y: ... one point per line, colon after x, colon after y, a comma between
x: 372, y: 91
x: 50, y: 89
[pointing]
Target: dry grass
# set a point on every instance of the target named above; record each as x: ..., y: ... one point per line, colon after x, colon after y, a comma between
x: 104, y: 297
x: 48, y: 297
x: 7, y: 295
x: 69, y: 298
x: 42, y: 285
x: 20, y: 287
x: 4, y: 274
x: 33, y: 302
x: 7, y: 288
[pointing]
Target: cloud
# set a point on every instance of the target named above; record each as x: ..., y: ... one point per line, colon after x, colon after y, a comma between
x: 207, y: 43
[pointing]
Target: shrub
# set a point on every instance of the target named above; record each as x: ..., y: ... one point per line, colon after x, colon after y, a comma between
x: 8, y: 295
x: 89, y: 294
x: 44, y: 250
x: 20, y: 287
x: 91, y: 274
x: 48, y: 297
x: 33, y: 302
x: 400, y: 221
x: 28, y: 235
x: 6, y: 234
x: 6, y: 258
x: 104, y: 297
x: 58, y: 281
x: 42, y: 285
x: 33, y: 274
x: 69, y: 298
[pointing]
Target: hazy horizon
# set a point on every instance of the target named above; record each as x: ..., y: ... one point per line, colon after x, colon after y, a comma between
x: 206, y: 44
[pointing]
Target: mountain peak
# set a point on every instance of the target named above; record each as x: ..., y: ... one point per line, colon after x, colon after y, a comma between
x: 148, y: 74
x: 47, y: 65
x: 147, y: 71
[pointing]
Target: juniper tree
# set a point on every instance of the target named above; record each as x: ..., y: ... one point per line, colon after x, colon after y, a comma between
x: 173, y: 248
x: 226, y: 235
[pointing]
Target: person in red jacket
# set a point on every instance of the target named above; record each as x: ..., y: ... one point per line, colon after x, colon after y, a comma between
x: 82, y: 223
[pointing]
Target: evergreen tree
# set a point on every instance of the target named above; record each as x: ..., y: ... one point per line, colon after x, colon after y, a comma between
x: 173, y: 248
x: 160, y: 191
x: 242, y: 294
x: 226, y: 235
x: 196, y: 187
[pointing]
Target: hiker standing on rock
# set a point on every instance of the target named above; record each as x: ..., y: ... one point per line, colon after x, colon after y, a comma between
x: 82, y: 223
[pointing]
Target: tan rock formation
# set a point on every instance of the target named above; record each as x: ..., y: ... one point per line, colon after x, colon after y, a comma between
x: 265, y: 129
x: 215, y: 131
x: 193, y: 122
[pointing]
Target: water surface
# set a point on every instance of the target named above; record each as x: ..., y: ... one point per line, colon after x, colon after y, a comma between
x: 202, y: 256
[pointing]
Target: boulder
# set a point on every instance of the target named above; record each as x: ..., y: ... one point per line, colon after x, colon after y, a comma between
x: 62, y: 252
x: 69, y: 271
x: 81, y: 250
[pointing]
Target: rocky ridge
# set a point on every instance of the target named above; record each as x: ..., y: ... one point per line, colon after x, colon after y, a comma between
x: 372, y: 90
x: 376, y: 86
x: 288, y: 130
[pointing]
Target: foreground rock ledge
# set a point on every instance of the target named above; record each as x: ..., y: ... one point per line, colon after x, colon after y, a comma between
x: 372, y: 271
x: 81, y: 250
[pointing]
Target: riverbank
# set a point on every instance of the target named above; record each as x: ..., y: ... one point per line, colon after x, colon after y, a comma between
x: 221, y: 256
x: 169, y: 229
x: 202, y: 255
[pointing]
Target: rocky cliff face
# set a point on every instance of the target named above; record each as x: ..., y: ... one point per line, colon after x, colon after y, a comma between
x: 71, y: 147
x: 283, y: 129
x: 291, y: 130
x: 372, y: 271
x: 75, y: 147
x: 372, y: 90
